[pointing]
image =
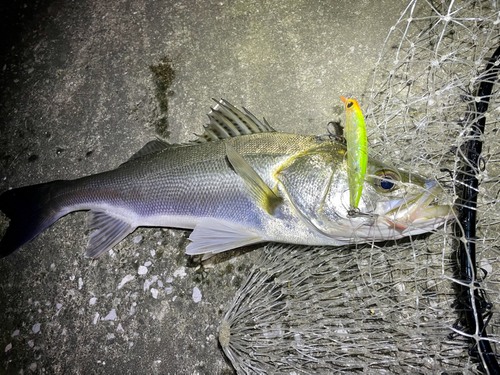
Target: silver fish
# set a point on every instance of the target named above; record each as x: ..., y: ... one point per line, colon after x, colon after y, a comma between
x: 239, y: 183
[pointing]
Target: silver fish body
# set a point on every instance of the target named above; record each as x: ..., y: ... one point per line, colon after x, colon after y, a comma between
x: 241, y: 183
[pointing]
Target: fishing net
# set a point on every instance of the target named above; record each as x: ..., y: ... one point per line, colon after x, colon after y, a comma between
x: 417, y: 305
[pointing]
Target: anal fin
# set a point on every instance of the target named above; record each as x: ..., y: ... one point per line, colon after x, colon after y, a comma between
x: 215, y: 236
x: 108, y: 232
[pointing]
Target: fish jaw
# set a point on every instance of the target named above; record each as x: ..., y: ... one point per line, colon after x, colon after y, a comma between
x: 416, y: 215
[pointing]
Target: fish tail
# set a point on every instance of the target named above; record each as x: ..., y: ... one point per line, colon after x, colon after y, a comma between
x: 30, y: 211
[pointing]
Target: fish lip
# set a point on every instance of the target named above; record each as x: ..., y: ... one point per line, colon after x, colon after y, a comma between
x: 418, y: 212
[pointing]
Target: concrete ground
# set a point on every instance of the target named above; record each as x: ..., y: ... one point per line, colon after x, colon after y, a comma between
x: 84, y: 84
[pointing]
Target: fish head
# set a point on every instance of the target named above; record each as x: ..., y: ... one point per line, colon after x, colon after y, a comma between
x: 394, y: 203
x: 402, y: 203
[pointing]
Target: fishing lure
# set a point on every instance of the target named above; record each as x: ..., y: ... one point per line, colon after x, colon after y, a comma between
x: 357, y: 156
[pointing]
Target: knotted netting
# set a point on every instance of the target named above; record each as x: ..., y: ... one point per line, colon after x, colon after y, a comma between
x: 422, y: 304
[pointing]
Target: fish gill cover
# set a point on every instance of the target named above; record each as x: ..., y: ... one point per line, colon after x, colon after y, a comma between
x: 418, y: 305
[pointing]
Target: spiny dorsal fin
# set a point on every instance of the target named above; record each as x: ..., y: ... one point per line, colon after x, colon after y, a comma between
x: 226, y: 121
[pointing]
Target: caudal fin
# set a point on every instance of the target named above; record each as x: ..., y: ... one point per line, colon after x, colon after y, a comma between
x: 29, y: 211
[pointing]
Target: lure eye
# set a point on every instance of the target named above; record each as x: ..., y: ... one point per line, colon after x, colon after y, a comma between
x: 349, y: 105
x: 386, y: 181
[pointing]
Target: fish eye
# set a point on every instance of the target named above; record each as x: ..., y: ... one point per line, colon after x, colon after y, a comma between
x: 386, y: 181
x: 349, y: 105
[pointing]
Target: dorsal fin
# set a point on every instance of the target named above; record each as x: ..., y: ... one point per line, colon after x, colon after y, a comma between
x: 226, y: 121
x: 151, y: 147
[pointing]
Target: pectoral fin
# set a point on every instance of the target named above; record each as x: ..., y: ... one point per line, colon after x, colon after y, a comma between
x: 109, y: 231
x: 215, y: 236
x: 258, y: 189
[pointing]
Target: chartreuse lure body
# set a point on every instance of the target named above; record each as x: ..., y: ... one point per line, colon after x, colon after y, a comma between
x: 357, y: 156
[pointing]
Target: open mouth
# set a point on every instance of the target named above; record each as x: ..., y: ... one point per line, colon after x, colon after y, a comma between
x: 418, y: 214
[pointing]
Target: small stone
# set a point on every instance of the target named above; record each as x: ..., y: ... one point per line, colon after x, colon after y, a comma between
x: 125, y: 280
x: 111, y: 315
x: 196, y: 295
x: 154, y: 292
x: 181, y: 272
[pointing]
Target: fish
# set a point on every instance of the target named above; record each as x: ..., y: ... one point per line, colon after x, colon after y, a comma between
x: 239, y: 183
x: 357, y: 149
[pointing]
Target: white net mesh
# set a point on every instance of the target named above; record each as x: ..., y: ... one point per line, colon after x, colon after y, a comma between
x: 401, y: 306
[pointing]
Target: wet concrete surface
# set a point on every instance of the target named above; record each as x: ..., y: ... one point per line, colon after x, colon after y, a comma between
x: 84, y: 85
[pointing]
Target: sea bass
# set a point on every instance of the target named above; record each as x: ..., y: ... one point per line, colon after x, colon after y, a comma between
x: 239, y: 183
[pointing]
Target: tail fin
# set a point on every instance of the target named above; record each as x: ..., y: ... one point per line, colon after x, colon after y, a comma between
x: 30, y: 214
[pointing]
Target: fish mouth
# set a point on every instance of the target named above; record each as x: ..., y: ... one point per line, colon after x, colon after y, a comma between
x: 418, y: 215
